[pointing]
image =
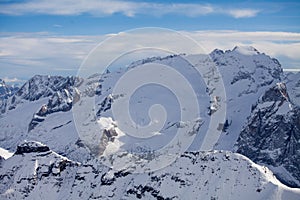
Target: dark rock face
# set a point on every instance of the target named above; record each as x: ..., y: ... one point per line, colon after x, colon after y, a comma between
x: 31, y: 147
x: 62, y: 99
x: 38, y: 87
x: 6, y: 91
x: 105, y: 105
x: 108, y: 135
x: 139, y: 192
x: 272, y: 133
x: 240, y: 76
x: 3, y: 105
x: 44, y: 86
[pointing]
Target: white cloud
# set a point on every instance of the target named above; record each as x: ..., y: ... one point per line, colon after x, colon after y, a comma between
x: 57, y: 26
x: 12, y: 80
x: 69, y: 7
x: 192, y: 10
x: 275, y: 44
x: 23, y: 55
x: 109, y: 7
x: 243, y: 13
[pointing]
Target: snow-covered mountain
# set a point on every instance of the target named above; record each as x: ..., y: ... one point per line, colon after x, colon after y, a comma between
x: 246, y: 74
x: 41, y: 111
x: 74, y: 117
x: 5, y: 92
x: 260, y: 94
x: 36, y: 172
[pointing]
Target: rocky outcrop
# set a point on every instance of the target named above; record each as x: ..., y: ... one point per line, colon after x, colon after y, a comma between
x: 61, y: 100
x: 31, y: 147
x: 6, y: 91
x: 272, y: 133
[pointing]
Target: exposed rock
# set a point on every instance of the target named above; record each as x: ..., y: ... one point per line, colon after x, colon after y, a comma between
x: 272, y: 133
x: 31, y: 147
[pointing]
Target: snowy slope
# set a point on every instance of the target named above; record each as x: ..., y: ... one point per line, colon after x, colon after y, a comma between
x: 36, y: 172
x: 151, y: 94
x: 5, y: 154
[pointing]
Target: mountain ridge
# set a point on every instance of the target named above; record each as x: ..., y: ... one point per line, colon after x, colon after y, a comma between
x: 66, y: 179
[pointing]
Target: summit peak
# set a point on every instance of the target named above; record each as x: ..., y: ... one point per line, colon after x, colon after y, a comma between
x: 246, y: 50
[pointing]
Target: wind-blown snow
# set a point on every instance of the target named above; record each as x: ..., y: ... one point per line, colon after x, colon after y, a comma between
x: 246, y: 50
x: 5, y: 153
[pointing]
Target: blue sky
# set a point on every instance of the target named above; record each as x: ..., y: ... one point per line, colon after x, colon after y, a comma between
x: 211, y: 15
x: 27, y: 27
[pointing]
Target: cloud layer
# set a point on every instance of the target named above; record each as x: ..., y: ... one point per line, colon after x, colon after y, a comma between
x: 22, y: 55
x: 276, y: 44
x: 128, y: 8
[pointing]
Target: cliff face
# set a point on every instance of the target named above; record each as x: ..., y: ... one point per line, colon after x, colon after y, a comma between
x: 271, y: 135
